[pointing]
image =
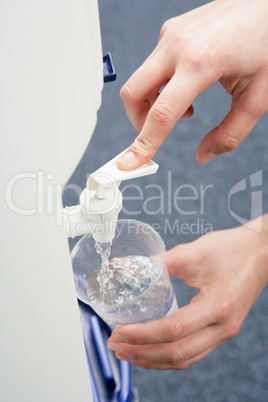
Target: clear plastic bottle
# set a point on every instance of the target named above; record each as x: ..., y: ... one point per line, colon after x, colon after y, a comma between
x: 138, y: 288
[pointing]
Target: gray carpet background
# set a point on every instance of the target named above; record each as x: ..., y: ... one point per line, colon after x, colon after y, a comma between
x: 238, y: 370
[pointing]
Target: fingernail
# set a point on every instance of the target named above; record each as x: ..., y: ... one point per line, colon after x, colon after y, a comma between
x: 114, y: 346
x: 120, y: 356
x: 118, y: 338
x: 127, y: 157
x: 207, y: 156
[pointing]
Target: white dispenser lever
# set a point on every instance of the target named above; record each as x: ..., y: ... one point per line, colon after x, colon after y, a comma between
x: 101, y: 201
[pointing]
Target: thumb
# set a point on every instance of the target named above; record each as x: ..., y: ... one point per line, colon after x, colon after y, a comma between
x: 174, y: 102
x: 245, y: 112
x: 183, y: 261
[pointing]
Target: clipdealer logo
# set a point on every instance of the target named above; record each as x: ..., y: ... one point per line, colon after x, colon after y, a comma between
x: 255, y: 187
x: 153, y: 199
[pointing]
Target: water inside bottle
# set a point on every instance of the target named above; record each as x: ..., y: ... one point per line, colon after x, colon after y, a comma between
x: 104, y: 249
x: 122, y: 279
x: 123, y: 282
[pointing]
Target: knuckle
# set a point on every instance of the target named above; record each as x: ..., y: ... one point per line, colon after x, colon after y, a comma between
x: 128, y: 91
x: 176, y: 358
x: 232, y: 330
x: 165, y: 27
x: 176, y: 39
x: 224, y: 309
x: 162, y: 113
x: 227, y: 142
x: 175, y: 331
x: 200, y: 60
x: 195, y: 63
x: 173, y: 38
x: 145, y: 144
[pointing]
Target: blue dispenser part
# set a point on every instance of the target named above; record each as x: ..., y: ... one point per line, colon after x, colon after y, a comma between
x: 102, y: 352
x: 109, y: 73
x: 125, y: 381
x: 110, y: 378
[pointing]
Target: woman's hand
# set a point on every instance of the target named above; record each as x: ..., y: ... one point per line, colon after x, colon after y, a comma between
x: 224, y: 40
x: 230, y: 268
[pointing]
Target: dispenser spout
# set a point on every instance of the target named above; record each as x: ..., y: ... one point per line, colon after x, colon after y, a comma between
x: 101, y: 201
